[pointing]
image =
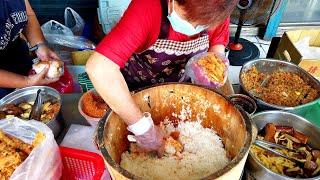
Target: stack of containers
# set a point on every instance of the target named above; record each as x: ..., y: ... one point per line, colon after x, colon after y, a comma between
x: 110, y: 12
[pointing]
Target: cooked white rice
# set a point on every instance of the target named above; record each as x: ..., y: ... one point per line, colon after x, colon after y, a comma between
x: 203, y: 155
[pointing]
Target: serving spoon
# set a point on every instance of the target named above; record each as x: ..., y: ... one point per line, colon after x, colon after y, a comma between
x: 262, y: 84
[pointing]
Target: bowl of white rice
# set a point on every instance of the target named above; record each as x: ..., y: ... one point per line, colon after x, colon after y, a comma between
x: 213, y: 136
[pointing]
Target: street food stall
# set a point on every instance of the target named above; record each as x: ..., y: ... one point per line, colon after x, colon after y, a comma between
x: 157, y: 101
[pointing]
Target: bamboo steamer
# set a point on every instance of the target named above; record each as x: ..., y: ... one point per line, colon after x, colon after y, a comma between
x: 232, y: 125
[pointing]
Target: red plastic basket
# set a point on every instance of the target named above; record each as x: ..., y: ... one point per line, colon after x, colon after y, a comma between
x: 79, y: 164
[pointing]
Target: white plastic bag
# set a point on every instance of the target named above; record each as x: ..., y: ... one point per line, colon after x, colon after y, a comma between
x: 75, y: 42
x: 198, y: 75
x: 307, y: 51
x: 54, y: 27
x: 44, y: 161
x: 62, y: 40
x: 58, y: 34
x: 73, y: 21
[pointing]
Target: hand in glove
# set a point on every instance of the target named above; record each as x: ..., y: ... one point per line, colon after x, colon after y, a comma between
x: 147, y: 135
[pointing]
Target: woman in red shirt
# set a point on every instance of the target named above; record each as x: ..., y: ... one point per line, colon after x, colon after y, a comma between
x: 151, y: 44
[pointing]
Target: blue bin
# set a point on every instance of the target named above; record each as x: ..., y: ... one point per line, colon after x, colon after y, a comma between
x: 110, y: 12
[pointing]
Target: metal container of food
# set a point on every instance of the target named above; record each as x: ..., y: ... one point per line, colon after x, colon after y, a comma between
x: 257, y: 169
x: 29, y: 94
x: 231, y: 124
x: 272, y: 65
x: 244, y: 102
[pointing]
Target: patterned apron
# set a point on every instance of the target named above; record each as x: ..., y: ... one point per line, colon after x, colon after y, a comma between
x: 165, y: 60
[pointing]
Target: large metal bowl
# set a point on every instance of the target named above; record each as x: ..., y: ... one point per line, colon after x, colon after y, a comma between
x: 271, y: 65
x: 257, y: 169
x: 29, y: 94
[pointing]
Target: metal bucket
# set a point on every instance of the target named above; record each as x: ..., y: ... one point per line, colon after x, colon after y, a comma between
x: 29, y: 94
x: 232, y: 125
x: 255, y: 167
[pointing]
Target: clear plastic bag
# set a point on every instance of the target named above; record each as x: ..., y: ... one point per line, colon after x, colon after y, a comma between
x: 54, y: 27
x: 198, y: 74
x: 44, y: 161
x: 76, y: 42
x: 57, y: 34
x: 73, y: 21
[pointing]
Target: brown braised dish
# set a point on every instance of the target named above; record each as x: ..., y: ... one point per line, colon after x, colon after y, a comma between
x: 49, y: 110
x: 292, y: 139
x: 279, y: 88
x: 93, y: 105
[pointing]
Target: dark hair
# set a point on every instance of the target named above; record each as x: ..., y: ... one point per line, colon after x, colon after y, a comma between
x: 207, y: 12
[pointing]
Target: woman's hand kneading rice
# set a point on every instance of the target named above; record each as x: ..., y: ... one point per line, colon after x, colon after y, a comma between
x: 148, y: 136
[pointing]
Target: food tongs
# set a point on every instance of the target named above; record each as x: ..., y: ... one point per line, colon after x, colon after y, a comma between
x: 36, y: 108
x: 269, y: 147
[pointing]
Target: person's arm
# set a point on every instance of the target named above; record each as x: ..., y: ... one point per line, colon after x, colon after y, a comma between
x: 220, y: 49
x: 109, y: 82
x: 219, y: 37
x: 12, y: 80
x: 33, y: 31
x: 103, y: 68
x: 35, y: 36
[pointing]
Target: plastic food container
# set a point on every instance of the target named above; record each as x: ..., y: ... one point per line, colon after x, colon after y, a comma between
x: 79, y: 164
x: 91, y: 120
x: 199, y: 76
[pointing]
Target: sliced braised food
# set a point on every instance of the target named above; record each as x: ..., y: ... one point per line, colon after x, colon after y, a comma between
x: 292, y: 139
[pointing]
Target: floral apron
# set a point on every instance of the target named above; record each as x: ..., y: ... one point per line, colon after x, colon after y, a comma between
x: 165, y: 60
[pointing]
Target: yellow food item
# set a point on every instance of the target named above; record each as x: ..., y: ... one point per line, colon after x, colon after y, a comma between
x: 274, y: 163
x: 13, y: 152
x: 213, y: 67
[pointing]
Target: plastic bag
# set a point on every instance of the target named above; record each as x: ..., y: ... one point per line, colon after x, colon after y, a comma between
x: 53, y: 27
x: 73, y: 21
x: 76, y: 42
x: 44, y: 161
x: 64, y: 85
x: 307, y: 51
x: 198, y: 74
x: 57, y: 34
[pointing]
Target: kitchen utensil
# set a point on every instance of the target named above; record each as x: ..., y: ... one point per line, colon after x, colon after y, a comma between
x: 254, y: 166
x: 29, y: 94
x: 233, y: 125
x: 271, y: 65
x: 267, y: 146
x: 245, y: 102
x: 36, y: 107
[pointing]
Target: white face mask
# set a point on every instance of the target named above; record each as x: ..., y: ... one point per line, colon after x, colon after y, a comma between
x: 182, y: 26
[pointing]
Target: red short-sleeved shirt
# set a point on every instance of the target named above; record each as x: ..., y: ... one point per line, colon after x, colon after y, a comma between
x: 139, y: 29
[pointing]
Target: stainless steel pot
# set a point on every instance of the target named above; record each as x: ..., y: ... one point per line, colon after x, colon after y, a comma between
x: 29, y: 94
x: 257, y: 169
x: 272, y: 65
x: 244, y: 102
